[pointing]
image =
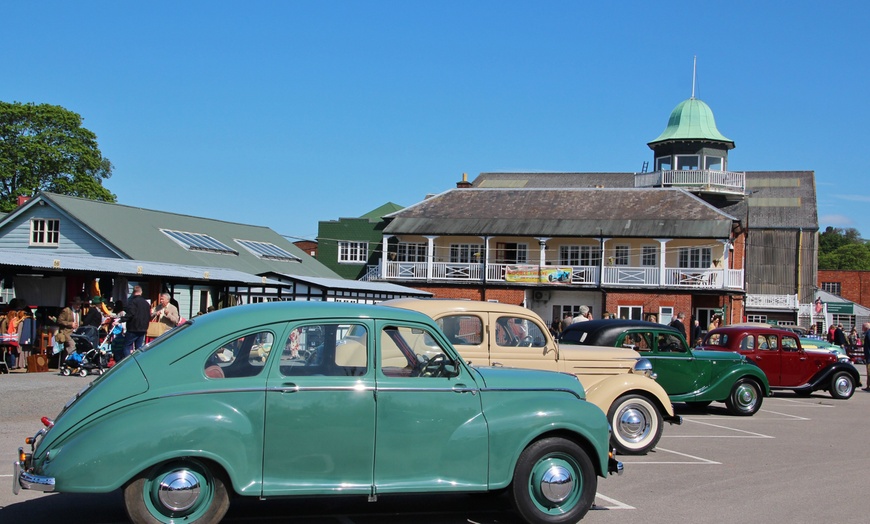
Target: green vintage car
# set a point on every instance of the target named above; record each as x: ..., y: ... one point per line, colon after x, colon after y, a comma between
x: 304, y: 398
x: 696, y: 377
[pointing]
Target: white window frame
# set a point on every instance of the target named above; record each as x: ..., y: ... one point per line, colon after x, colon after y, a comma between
x: 833, y: 288
x: 464, y: 253
x: 695, y: 257
x: 666, y: 314
x: 630, y: 312
x: 590, y: 256
x: 411, y: 252
x: 621, y: 255
x: 649, y: 256
x: 719, y: 159
x: 664, y: 163
x: 569, y: 255
x: 696, y: 163
x: 353, y: 252
x: 45, y: 232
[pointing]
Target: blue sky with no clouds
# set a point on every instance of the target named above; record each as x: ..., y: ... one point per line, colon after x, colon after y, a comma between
x: 284, y: 113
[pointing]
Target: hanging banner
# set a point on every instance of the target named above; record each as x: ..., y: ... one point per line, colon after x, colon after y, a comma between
x: 537, y: 274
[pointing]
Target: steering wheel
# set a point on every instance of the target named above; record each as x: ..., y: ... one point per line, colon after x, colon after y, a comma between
x: 526, y: 341
x: 433, y: 367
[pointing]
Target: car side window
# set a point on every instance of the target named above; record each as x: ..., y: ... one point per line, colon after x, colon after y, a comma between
x: 241, y: 357
x: 772, y: 342
x: 670, y: 343
x: 789, y: 344
x: 518, y: 332
x: 412, y: 352
x: 638, y: 341
x: 326, y: 350
x: 462, y: 329
x: 748, y: 343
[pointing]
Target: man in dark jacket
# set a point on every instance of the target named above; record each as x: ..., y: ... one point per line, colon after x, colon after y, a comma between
x: 678, y: 323
x: 840, y: 337
x: 137, y: 314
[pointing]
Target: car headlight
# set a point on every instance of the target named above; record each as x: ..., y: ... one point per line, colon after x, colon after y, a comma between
x: 644, y: 367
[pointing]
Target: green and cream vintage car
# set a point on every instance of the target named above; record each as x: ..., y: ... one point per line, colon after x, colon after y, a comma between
x: 305, y: 398
x: 616, y: 380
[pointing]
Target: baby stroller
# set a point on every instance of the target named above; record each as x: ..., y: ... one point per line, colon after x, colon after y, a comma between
x: 87, y: 357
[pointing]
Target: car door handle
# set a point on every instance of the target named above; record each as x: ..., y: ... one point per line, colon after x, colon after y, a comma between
x: 462, y: 388
x: 289, y: 387
x: 497, y: 365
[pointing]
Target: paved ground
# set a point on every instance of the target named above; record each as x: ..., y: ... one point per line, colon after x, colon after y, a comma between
x: 797, y: 460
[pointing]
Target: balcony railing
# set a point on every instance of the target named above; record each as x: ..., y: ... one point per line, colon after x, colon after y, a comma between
x: 581, y: 276
x: 783, y: 302
x: 695, y: 180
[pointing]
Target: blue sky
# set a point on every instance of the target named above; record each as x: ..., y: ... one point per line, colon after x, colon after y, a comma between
x: 286, y: 113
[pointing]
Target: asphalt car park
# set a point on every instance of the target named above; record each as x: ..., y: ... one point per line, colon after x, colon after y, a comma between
x: 799, y: 459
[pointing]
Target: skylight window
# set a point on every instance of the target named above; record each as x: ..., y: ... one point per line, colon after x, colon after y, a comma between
x: 199, y: 242
x: 268, y: 250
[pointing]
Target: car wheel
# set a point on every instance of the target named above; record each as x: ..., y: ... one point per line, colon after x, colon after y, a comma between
x: 554, y: 482
x: 637, y: 424
x: 842, y: 385
x: 745, y: 398
x: 184, y: 491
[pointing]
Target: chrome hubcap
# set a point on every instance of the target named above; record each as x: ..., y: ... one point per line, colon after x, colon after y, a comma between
x: 843, y: 386
x: 556, y: 484
x: 746, y: 396
x: 179, y: 490
x: 633, y: 424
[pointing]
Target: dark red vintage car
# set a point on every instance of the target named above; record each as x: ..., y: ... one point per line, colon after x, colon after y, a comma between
x: 787, y: 365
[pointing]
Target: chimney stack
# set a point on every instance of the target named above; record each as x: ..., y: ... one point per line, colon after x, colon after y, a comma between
x: 464, y: 183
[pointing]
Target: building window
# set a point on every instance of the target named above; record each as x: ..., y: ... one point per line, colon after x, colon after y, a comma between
x: 688, y: 163
x: 630, y: 312
x: 410, y: 252
x: 695, y: 257
x: 267, y: 250
x: 569, y: 255
x: 590, y: 256
x: 762, y: 319
x: 663, y: 163
x: 666, y: 314
x: 831, y: 287
x: 620, y: 256
x: 714, y: 163
x: 44, y: 232
x: 649, y: 256
x: 199, y: 242
x: 466, y: 253
x: 511, y: 253
x: 353, y: 252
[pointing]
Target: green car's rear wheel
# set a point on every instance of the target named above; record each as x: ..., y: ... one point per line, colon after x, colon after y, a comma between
x: 745, y: 398
x: 179, y: 491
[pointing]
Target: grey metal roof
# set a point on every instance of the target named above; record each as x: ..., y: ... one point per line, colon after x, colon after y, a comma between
x: 672, y: 213
x: 553, y: 180
x: 44, y: 261
x: 136, y: 234
x: 360, y: 285
x: 782, y: 200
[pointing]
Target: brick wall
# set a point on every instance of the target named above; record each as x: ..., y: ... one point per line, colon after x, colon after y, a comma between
x: 854, y: 285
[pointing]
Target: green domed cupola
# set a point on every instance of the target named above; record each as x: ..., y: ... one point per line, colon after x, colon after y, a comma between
x: 692, y: 119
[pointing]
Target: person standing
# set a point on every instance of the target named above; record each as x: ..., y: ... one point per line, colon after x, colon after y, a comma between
x: 68, y: 320
x: 583, y: 314
x: 136, y: 315
x: 678, y: 323
x: 165, y: 312
x: 840, y: 337
x: 866, y: 328
x: 696, y: 333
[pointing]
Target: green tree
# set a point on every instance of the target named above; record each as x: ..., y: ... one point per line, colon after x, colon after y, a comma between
x: 45, y: 148
x: 843, y: 249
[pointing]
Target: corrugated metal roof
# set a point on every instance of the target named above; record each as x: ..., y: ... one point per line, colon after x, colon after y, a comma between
x: 360, y: 285
x: 572, y: 212
x: 124, y: 267
x: 136, y: 232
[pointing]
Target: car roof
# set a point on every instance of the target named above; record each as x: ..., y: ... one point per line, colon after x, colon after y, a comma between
x: 752, y: 329
x: 609, y: 329
x: 437, y: 306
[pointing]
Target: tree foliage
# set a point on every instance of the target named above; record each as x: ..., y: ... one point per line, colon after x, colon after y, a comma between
x: 843, y: 249
x: 45, y: 148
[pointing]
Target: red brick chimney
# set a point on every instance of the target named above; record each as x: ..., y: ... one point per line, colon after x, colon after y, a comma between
x: 464, y: 183
x: 23, y: 200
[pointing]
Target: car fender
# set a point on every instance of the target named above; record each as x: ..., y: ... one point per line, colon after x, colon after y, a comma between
x: 719, y: 389
x: 822, y: 378
x: 517, y: 420
x: 105, y: 453
x: 605, y: 392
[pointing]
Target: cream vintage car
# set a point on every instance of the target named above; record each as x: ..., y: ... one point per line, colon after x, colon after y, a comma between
x: 617, y: 380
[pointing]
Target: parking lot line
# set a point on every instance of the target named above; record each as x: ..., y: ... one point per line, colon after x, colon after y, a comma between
x: 612, y: 503
x: 751, y: 434
x: 698, y: 460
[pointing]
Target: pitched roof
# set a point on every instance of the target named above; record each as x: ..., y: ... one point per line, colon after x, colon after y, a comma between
x: 375, y: 215
x: 563, y: 212
x: 136, y: 233
x: 553, y: 180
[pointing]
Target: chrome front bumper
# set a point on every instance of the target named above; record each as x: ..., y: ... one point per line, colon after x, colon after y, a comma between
x: 23, y: 480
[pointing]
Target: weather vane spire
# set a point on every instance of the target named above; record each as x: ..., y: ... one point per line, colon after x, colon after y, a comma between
x: 694, y: 73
